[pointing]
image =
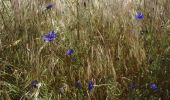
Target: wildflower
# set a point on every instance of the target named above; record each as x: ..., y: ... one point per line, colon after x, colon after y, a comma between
x: 78, y: 84
x: 49, y: 6
x: 90, y: 85
x: 50, y: 36
x: 153, y: 86
x: 139, y: 15
x: 69, y: 52
x: 34, y: 83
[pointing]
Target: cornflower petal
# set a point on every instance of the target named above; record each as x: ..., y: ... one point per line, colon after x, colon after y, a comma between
x: 50, y: 36
x: 90, y: 85
x: 153, y: 86
x: 70, y: 52
x: 139, y: 15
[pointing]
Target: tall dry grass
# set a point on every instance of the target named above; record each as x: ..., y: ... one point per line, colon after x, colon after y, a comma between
x: 110, y: 47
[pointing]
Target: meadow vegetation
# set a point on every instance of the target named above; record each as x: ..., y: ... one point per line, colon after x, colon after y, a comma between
x: 98, y: 50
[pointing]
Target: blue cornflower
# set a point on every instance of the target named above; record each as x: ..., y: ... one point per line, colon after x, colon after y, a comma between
x: 50, y: 36
x: 153, y: 86
x: 69, y: 52
x: 78, y: 84
x: 34, y: 83
x: 90, y: 85
x: 49, y: 6
x: 139, y: 15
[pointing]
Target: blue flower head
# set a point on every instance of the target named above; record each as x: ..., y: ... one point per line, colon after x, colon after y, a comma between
x: 49, y: 6
x: 69, y: 51
x: 153, y: 86
x: 90, y: 85
x: 34, y: 83
x: 50, y: 36
x: 139, y: 15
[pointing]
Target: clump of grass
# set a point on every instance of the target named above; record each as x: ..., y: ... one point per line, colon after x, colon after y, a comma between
x: 109, y: 51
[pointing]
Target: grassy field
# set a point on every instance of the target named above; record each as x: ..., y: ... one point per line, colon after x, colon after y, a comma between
x: 84, y: 50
